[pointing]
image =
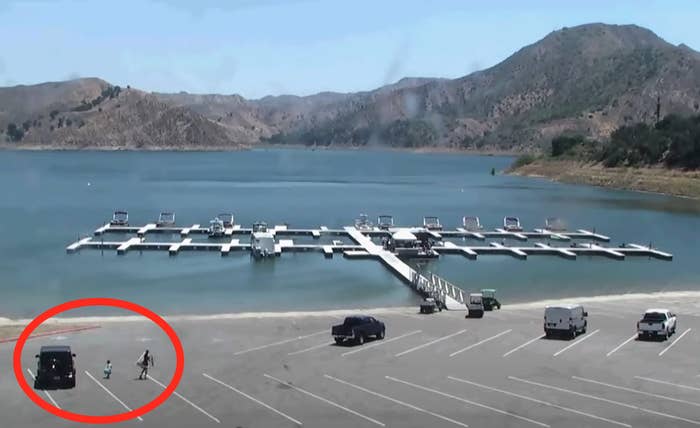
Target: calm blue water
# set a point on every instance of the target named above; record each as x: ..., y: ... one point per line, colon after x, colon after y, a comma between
x: 50, y: 198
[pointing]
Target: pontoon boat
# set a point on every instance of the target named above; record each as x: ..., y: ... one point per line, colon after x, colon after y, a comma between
x: 363, y: 223
x: 471, y: 224
x: 166, y: 219
x: 555, y: 224
x: 385, y: 222
x: 216, y: 228
x: 226, y: 219
x: 262, y: 241
x: 432, y: 223
x: 120, y: 218
x: 512, y: 224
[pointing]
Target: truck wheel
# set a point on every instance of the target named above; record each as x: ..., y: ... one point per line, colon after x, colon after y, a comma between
x: 572, y: 333
x: 338, y: 340
x: 548, y: 334
x: 380, y: 336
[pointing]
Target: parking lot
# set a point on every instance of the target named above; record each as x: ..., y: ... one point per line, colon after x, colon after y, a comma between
x: 437, y: 370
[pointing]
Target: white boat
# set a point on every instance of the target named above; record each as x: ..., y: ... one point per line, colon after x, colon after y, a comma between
x: 166, y: 219
x: 226, y: 219
x: 385, y: 222
x: 471, y: 224
x: 363, y: 223
x: 554, y: 224
x: 432, y: 223
x: 216, y: 228
x: 512, y: 224
x: 262, y: 241
x: 120, y: 218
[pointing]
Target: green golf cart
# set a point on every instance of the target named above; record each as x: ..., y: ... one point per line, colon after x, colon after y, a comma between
x: 489, y: 299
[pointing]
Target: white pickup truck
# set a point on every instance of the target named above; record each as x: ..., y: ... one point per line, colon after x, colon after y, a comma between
x: 656, y: 323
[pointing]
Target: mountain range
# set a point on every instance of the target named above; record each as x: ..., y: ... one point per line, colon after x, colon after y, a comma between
x: 586, y: 80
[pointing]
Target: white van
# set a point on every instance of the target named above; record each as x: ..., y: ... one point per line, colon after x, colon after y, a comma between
x: 568, y: 320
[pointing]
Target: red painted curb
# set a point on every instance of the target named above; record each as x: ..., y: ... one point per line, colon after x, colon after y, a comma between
x: 51, y: 333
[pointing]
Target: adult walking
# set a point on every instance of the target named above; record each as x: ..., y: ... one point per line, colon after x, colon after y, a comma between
x: 145, y: 361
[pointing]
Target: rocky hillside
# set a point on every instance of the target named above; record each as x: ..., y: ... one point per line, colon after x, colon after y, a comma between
x: 91, y: 113
x: 587, y: 80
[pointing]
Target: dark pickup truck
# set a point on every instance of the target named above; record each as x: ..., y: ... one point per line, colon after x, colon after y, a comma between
x: 358, y: 328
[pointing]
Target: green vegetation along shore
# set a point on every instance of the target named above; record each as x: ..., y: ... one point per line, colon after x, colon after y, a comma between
x: 660, y: 158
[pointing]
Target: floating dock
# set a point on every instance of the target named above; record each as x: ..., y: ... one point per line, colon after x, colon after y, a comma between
x: 365, y: 248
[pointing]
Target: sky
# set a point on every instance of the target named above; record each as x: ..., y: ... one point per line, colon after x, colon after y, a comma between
x: 271, y: 47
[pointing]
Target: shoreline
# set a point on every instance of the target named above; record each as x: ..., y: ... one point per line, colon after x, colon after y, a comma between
x: 92, y: 320
x: 659, y: 181
x: 256, y: 146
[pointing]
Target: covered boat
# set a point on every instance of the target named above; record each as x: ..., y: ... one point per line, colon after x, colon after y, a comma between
x: 471, y: 223
x: 385, y: 222
x: 512, y: 224
x: 120, y: 218
x: 262, y: 241
x: 226, y: 219
x: 432, y: 223
x: 363, y: 223
x: 216, y: 228
x: 555, y: 224
x: 166, y: 219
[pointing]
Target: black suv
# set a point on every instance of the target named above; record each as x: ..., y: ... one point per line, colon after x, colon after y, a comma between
x: 55, y: 368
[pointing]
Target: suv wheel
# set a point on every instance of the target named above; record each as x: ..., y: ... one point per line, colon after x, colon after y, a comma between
x: 360, y: 339
x: 380, y: 336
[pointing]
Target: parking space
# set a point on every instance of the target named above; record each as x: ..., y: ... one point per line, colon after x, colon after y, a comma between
x: 431, y: 370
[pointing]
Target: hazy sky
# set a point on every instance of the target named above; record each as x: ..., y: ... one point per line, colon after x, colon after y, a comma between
x: 260, y: 47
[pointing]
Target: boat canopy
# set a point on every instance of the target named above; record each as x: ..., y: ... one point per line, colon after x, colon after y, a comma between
x: 385, y: 221
x: 120, y: 218
x: 471, y: 223
x: 511, y: 223
x: 166, y: 218
x: 362, y: 222
x: 226, y: 219
x: 431, y: 222
x: 555, y: 224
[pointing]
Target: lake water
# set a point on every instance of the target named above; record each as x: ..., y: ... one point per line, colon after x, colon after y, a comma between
x: 49, y: 199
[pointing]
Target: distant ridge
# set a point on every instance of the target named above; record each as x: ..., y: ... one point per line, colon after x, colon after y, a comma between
x: 588, y: 79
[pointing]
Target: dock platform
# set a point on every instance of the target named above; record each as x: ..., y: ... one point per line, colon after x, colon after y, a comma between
x: 493, y: 243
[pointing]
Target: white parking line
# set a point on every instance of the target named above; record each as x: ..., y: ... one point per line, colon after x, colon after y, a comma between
x: 281, y: 342
x: 544, y: 403
x: 380, y: 342
x: 394, y: 400
x: 523, y: 345
x: 321, y: 345
x: 111, y: 394
x: 474, y: 345
x: 634, y: 336
x: 432, y: 342
x: 663, y: 382
x: 45, y: 391
x: 253, y: 399
x: 332, y: 403
x: 187, y: 401
x: 675, y: 341
x: 636, y: 391
x: 464, y: 400
x: 605, y: 400
x: 576, y: 342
